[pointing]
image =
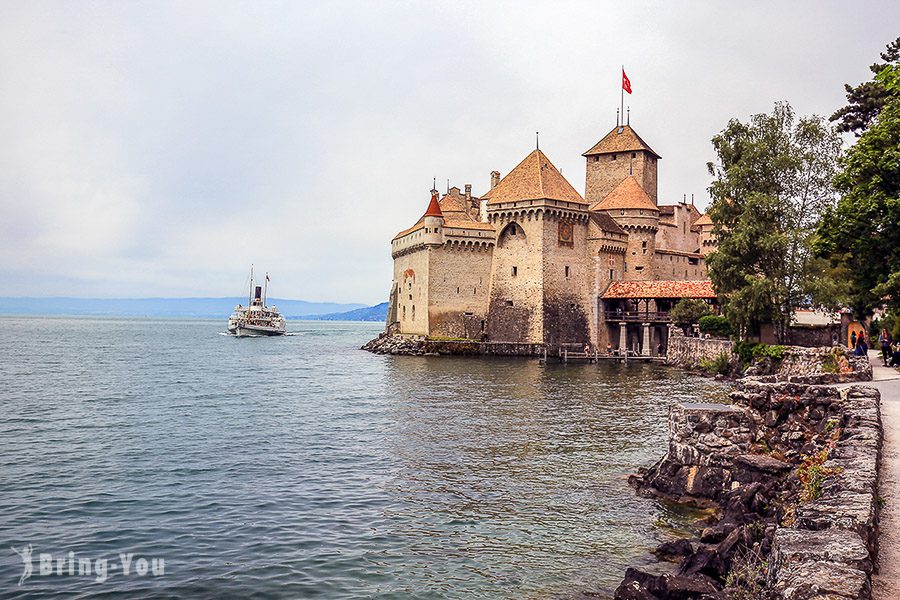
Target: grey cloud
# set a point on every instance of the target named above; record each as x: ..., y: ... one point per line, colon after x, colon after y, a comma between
x: 158, y: 148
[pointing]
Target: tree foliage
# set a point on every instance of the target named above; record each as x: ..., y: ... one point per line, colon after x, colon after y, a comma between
x: 688, y: 311
x: 715, y: 325
x: 867, y: 99
x: 773, y: 179
x: 863, y: 231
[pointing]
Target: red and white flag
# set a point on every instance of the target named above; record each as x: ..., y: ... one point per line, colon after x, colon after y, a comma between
x: 626, y: 83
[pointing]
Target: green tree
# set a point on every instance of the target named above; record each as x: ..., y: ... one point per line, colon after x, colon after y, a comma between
x: 688, y: 311
x: 867, y: 99
x: 773, y: 179
x: 863, y: 231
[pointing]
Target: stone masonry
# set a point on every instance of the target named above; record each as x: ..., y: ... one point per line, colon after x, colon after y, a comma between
x: 531, y: 259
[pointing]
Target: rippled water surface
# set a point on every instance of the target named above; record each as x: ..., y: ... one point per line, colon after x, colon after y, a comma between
x: 301, y: 467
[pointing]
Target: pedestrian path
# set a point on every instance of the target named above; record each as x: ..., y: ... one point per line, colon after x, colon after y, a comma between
x: 887, y: 380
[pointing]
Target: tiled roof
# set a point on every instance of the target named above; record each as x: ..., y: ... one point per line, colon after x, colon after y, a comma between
x: 450, y: 205
x: 703, y: 220
x: 467, y: 224
x: 678, y: 252
x: 420, y: 224
x: 620, y: 139
x: 666, y: 209
x: 628, y: 194
x: 660, y: 289
x: 695, y: 213
x: 452, y: 208
x: 534, y: 178
x: 434, y: 207
x: 606, y: 223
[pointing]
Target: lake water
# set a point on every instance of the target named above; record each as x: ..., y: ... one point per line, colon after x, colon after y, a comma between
x: 302, y: 467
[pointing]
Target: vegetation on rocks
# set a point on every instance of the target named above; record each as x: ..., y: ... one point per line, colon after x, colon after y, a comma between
x: 752, y: 352
x: 720, y: 365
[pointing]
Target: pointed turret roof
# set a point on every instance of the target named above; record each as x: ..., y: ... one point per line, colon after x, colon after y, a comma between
x: 535, y: 178
x: 628, y: 194
x: 621, y: 139
x: 703, y: 220
x: 434, y: 207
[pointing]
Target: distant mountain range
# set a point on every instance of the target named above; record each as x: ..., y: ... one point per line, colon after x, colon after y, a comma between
x: 369, y: 313
x: 177, y: 307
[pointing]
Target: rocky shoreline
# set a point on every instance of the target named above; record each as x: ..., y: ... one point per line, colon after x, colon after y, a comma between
x: 792, y: 467
x: 405, y: 345
x: 396, y: 344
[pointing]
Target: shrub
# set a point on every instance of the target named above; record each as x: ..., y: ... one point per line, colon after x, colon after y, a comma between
x: 761, y: 351
x: 719, y: 364
x: 715, y: 325
x: 750, y: 352
x: 744, y: 350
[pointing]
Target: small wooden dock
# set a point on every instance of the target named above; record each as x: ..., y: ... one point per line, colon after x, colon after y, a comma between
x: 566, y: 356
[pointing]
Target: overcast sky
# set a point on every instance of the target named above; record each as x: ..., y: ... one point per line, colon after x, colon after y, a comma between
x: 157, y: 149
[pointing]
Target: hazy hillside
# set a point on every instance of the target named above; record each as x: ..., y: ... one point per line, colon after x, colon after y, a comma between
x: 160, y: 307
x: 369, y: 313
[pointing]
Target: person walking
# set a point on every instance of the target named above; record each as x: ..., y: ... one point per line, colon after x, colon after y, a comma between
x: 860, y: 349
x: 853, y: 340
x: 885, y: 340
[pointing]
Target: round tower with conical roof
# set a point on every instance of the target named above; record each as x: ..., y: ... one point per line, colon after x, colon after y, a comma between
x: 633, y: 210
x: 433, y: 222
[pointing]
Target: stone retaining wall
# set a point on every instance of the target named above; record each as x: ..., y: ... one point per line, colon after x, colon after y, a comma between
x: 744, y: 458
x: 690, y: 352
x: 832, y: 547
x: 797, y: 361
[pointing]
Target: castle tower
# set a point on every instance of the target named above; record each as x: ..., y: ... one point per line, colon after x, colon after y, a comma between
x: 707, y: 238
x: 633, y: 210
x: 620, y: 154
x: 433, y: 221
x: 542, y: 274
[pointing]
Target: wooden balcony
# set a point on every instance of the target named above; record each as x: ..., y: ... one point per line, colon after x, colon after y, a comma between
x: 637, y: 316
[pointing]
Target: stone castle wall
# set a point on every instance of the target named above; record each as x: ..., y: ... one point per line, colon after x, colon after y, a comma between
x: 568, y: 283
x: 671, y: 265
x: 520, y: 291
x: 458, y: 290
x: 675, y: 231
x: 517, y: 280
x: 411, y: 276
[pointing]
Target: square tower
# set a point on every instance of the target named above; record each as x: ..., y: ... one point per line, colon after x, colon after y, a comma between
x: 620, y: 154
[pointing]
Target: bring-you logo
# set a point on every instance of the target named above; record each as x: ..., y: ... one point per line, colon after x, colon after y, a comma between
x: 100, y: 569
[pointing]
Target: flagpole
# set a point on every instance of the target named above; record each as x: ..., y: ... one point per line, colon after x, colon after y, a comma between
x: 622, y: 92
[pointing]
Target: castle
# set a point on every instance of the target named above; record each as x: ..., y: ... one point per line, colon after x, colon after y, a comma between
x: 532, y: 261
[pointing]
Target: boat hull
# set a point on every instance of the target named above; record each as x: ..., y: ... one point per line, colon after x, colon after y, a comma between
x: 257, y: 331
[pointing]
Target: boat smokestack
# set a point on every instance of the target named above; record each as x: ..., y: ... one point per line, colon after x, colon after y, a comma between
x: 258, y: 294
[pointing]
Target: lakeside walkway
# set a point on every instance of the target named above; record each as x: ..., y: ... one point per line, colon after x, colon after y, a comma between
x: 887, y: 582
